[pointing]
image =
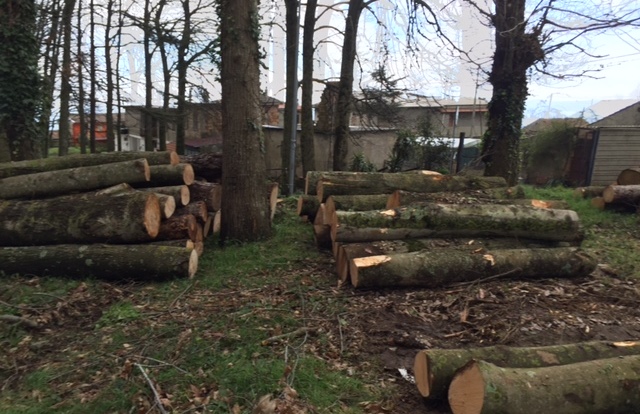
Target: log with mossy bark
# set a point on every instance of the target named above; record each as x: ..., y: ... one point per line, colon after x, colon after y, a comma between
x: 210, y: 193
x: 178, y: 228
x: 179, y: 192
x: 104, y: 261
x: 386, y: 183
x: 600, y: 386
x: 308, y: 207
x: 59, y: 182
x: 168, y: 175
x: 622, y: 194
x: 589, y: 192
x: 402, y: 198
x: 439, y: 268
x: 127, y: 218
x: 313, y: 177
x: 206, y: 165
x: 434, y: 368
x: 11, y: 169
x: 448, y: 220
x: 185, y: 243
x: 350, y: 251
x: 365, y: 202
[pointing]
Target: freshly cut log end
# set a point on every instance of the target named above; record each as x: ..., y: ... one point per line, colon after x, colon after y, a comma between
x: 467, y: 390
x: 179, y: 227
x: 210, y: 193
x: 421, y: 373
x: 174, y: 158
x: 216, y: 222
x: 167, y: 205
x: 188, y: 175
x: 193, y: 263
x: 152, y: 215
x: 272, y: 195
x: 629, y: 176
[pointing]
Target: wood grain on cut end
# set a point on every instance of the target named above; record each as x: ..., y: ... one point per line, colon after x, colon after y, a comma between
x: 466, y: 392
x: 363, y: 262
x: 421, y: 373
x: 167, y: 205
x: 193, y: 263
x: 152, y: 215
x: 185, y: 195
x: 174, y: 158
x: 394, y: 200
x: 144, y: 165
x: 188, y: 175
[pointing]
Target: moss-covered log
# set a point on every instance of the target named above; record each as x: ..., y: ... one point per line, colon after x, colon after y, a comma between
x: 11, y: 169
x: 439, y: 268
x: 402, y: 198
x: 589, y: 192
x: 312, y: 178
x: 198, y: 209
x: 187, y: 244
x: 179, y: 192
x: 447, y: 220
x: 600, y: 386
x: 321, y: 217
x: 622, y: 194
x: 386, y: 183
x: 629, y: 176
x: 434, y: 368
x: 178, y: 228
x: 365, y: 202
x: 59, y: 182
x: 111, y: 262
x: 127, y: 218
x: 308, y: 207
x: 350, y: 251
x: 206, y: 166
x: 169, y: 175
x: 210, y: 193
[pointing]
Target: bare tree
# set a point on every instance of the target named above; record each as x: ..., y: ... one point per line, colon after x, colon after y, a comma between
x: 307, y: 131
x: 65, y: 83
x: 290, y: 108
x: 246, y: 216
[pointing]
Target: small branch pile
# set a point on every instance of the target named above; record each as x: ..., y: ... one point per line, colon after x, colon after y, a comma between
x: 424, y: 229
x: 124, y: 215
x: 588, y: 377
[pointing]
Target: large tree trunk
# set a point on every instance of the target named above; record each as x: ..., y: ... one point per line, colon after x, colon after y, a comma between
x: 515, y: 52
x: 206, y: 166
x: 126, y: 218
x: 345, y: 89
x: 434, y: 368
x: 103, y: 261
x: 402, y: 198
x: 599, y: 386
x: 52, y: 183
x: 307, y: 140
x: 386, y: 183
x: 246, y: 214
x: 11, y: 169
x: 445, y: 220
x: 441, y: 268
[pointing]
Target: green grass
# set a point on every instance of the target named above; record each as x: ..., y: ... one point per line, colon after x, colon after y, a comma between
x: 72, y: 150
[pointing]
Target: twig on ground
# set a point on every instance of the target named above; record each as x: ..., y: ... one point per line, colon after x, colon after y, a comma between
x: 293, y: 334
x: 162, y: 363
x: 153, y: 389
x: 21, y: 320
x: 182, y: 293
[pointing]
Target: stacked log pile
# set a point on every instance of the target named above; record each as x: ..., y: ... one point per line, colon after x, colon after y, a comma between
x: 127, y: 215
x: 621, y: 196
x: 429, y: 230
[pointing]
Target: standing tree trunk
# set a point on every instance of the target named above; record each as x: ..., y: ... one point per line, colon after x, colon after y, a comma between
x: 82, y: 119
x: 166, y: 74
x: 65, y: 83
x: 111, y: 138
x: 516, y: 51
x: 246, y: 214
x: 307, y: 148
x: 148, y: 81
x: 92, y: 77
x: 49, y: 73
x: 291, y: 107
x: 345, y: 90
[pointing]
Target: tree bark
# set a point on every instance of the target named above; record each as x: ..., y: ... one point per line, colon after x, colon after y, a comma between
x: 127, y: 218
x: 622, y: 194
x: 435, y: 368
x: 589, y: 192
x: 179, y: 192
x: 52, y: 183
x: 198, y: 209
x: 312, y: 178
x: 402, y: 198
x: 11, y: 169
x: 432, y: 269
x: 169, y: 175
x: 103, y: 261
x: 629, y: 176
x: 186, y: 243
x: 206, y: 166
x: 210, y: 193
x: 246, y: 214
x: 599, y: 386
x: 386, y: 183
x: 355, y: 203
x: 178, y: 228
x: 307, y: 140
x: 308, y: 206
x: 443, y: 220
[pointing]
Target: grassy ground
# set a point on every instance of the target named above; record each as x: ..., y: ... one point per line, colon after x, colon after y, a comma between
x: 249, y: 324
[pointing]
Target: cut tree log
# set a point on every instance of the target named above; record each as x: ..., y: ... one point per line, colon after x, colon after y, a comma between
x: 447, y: 220
x: 167, y: 205
x: 599, y: 386
x: 169, y: 175
x: 308, y: 206
x: 629, y: 176
x: 322, y: 235
x: 58, y: 182
x: 216, y: 222
x: 622, y: 194
x: 11, y: 169
x: 210, y: 193
x: 589, y: 192
x: 115, y: 189
x: 355, y: 203
x: 178, y: 228
x: 104, y: 261
x: 312, y: 178
x: 198, y: 209
x: 439, y: 268
x: 321, y: 216
x: 186, y: 243
x: 124, y: 219
x: 272, y: 195
x: 434, y: 368
x: 350, y: 251
x: 402, y: 198
x: 206, y: 166
x: 179, y: 192
x: 386, y: 183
